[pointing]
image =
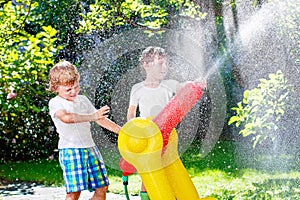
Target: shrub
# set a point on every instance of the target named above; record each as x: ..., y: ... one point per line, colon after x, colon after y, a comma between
x: 262, y: 108
x: 24, y: 62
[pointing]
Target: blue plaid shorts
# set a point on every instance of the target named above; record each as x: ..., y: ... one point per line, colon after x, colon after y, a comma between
x: 83, y: 169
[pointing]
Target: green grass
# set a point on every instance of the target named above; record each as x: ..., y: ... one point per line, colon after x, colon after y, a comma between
x: 47, y: 172
x: 218, y: 174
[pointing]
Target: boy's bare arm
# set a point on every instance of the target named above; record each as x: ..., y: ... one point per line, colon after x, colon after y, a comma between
x: 108, y: 124
x: 131, y: 112
x: 67, y: 117
x: 112, y: 126
x: 201, y: 82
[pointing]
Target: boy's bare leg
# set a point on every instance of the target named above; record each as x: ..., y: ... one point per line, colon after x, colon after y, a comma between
x: 100, y: 193
x: 143, y: 188
x: 73, y: 196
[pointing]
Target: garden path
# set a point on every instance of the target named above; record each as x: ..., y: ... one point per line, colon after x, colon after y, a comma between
x: 38, y: 192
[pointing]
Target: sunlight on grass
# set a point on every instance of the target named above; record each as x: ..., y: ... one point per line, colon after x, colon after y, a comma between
x: 134, y: 184
x: 247, y: 185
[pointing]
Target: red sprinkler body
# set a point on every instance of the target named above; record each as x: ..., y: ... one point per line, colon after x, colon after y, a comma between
x: 177, y: 108
x: 127, y: 168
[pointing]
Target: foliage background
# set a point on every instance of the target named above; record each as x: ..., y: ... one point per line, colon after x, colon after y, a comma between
x: 35, y: 34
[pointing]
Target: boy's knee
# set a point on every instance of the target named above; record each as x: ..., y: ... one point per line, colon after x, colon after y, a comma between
x: 101, y: 190
x: 100, y: 193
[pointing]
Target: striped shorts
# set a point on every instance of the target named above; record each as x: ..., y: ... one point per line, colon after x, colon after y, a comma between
x: 83, y: 169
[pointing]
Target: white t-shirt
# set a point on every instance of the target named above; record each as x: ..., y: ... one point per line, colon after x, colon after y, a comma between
x: 152, y: 100
x: 72, y: 135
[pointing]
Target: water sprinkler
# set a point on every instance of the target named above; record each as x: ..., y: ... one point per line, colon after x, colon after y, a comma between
x: 151, y: 146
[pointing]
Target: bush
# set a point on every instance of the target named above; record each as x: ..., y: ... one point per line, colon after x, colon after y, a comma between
x: 25, y: 59
x: 262, y: 108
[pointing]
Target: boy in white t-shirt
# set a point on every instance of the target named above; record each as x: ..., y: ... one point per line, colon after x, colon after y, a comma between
x: 80, y: 159
x: 152, y: 94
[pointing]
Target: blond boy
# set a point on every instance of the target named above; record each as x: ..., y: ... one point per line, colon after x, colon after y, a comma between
x: 80, y: 159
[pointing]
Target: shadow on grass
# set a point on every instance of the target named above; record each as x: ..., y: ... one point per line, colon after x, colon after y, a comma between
x: 46, y: 172
x: 221, y: 158
x: 229, y: 158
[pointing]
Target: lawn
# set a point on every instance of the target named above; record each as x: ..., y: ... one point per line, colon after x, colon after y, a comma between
x: 218, y: 174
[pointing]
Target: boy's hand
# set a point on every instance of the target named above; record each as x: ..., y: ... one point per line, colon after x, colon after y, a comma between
x: 101, y: 113
x: 201, y: 82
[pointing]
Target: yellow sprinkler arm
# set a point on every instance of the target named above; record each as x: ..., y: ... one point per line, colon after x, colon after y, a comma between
x: 140, y: 143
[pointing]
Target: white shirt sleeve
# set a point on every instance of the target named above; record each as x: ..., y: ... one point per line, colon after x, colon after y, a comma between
x: 55, y: 106
x: 134, y: 95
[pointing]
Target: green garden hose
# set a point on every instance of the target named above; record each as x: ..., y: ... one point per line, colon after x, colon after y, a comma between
x: 125, y: 183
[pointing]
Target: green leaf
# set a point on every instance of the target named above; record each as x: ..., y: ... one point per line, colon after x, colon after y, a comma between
x: 233, y: 119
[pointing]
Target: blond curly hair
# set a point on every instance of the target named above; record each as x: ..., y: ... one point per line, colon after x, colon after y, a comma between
x: 63, y: 73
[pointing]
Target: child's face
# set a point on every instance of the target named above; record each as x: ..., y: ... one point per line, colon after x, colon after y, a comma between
x: 68, y: 92
x: 157, y: 69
